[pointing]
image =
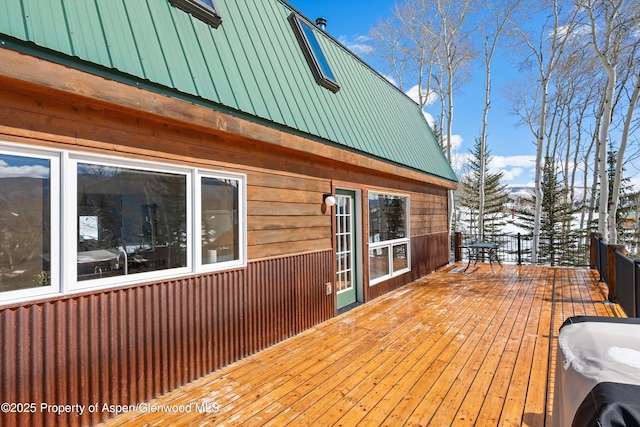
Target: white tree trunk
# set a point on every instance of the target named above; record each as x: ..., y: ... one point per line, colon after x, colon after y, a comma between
x: 604, y: 137
x: 615, y: 197
x: 538, y: 176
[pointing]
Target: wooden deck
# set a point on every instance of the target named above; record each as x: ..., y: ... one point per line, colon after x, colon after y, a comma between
x: 451, y: 348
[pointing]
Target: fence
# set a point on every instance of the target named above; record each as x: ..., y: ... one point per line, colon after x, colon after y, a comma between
x: 619, y: 272
x: 616, y: 269
x: 572, y: 250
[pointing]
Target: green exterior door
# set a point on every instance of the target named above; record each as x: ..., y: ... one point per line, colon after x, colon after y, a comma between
x: 345, y: 248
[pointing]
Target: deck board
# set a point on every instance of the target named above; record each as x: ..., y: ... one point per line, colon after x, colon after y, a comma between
x: 453, y: 348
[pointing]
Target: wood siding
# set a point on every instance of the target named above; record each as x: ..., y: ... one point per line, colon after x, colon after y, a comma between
x: 123, y: 346
x: 428, y: 213
x: 126, y: 345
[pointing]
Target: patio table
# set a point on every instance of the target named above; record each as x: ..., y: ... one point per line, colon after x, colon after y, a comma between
x: 477, y: 249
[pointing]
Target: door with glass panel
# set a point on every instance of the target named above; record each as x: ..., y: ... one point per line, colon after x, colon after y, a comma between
x: 345, y: 248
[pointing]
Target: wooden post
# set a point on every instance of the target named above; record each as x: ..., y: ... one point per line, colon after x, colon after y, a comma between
x: 457, y: 250
x: 611, y: 268
x: 593, y: 241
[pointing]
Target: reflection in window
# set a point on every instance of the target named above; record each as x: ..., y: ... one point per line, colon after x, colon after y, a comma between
x: 388, y: 236
x: 387, y: 217
x: 378, y: 263
x: 25, y: 222
x: 129, y: 221
x: 220, y: 220
x: 400, y: 261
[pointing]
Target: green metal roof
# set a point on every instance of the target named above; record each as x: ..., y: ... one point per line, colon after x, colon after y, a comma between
x: 251, y: 65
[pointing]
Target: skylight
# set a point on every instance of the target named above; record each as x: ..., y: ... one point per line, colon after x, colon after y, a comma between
x: 204, y: 10
x: 305, y: 33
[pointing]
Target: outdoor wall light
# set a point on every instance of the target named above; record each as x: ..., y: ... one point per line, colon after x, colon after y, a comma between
x: 329, y: 200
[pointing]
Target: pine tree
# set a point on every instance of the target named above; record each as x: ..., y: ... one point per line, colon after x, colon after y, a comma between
x: 558, y: 243
x: 496, y: 196
x: 627, y: 231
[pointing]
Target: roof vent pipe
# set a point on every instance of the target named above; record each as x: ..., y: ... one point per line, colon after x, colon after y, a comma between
x: 321, y: 23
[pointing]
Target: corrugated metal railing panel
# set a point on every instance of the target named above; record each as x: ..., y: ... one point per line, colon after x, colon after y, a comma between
x: 625, y: 284
x: 604, y: 271
x: 123, y: 346
x: 637, y: 285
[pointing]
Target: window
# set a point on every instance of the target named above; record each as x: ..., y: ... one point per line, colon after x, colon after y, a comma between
x: 125, y: 222
x: 222, y: 241
x: 389, y: 241
x: 28, y: 223
x: 305, y: 33
x: 129, y: 221
x: 204, y: 10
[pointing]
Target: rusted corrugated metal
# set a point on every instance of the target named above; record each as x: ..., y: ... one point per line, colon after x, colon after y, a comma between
x: 124, y: 346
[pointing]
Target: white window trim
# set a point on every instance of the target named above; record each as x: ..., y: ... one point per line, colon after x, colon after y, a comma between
x: 19, y: 295
x: 391, y: 243
x: 70, y: 218
x: 242, y: 215
x: 64, y: 212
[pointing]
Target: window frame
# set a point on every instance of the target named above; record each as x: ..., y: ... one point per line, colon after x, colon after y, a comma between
x: 53, y: 157
x: 71, y: 218
x: 209, y: 14
x: 64, y: 223
x: 311, y: 54
x: 242, y: 215
x: 392, y: 243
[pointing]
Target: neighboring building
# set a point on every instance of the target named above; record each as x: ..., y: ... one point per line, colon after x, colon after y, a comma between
x: 164, y: 166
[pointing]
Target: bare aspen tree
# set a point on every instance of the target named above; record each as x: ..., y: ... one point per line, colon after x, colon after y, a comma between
x: 408, y: 51
x: 499, y: 15
x: 456, y: 53
x: 614, y: 31
x: 547, y: 53
x: 615, y: 197
x: 429, y: 44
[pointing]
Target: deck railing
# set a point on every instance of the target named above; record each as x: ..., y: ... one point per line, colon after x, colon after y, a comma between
x: 572, y: 250
x: 619, y: 272
x: 616, y: 269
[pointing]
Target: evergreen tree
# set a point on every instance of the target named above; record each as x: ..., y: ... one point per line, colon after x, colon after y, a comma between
x: 496, y: 196
x: 558, y: 243
x: 626, y: 207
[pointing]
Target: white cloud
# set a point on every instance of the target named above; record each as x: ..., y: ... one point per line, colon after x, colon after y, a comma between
x: 390, y: 79
x: 503, y: 162
x: 414, y: 93
x: 456, y: 142
x: 358, y: 44
x: 31, y: 171
x: 430, y: 119
x: 511, y: 174
x: 458, y: 160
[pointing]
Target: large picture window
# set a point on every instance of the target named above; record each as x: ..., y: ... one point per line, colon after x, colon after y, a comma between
x: 124, y: 222
x: 129, y: 221
x: 389, y: 241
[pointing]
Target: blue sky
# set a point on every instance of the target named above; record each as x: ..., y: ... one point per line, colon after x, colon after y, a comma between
x: 512, y: 147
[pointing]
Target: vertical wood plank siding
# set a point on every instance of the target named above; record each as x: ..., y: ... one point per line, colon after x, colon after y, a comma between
x: 124, y: 346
